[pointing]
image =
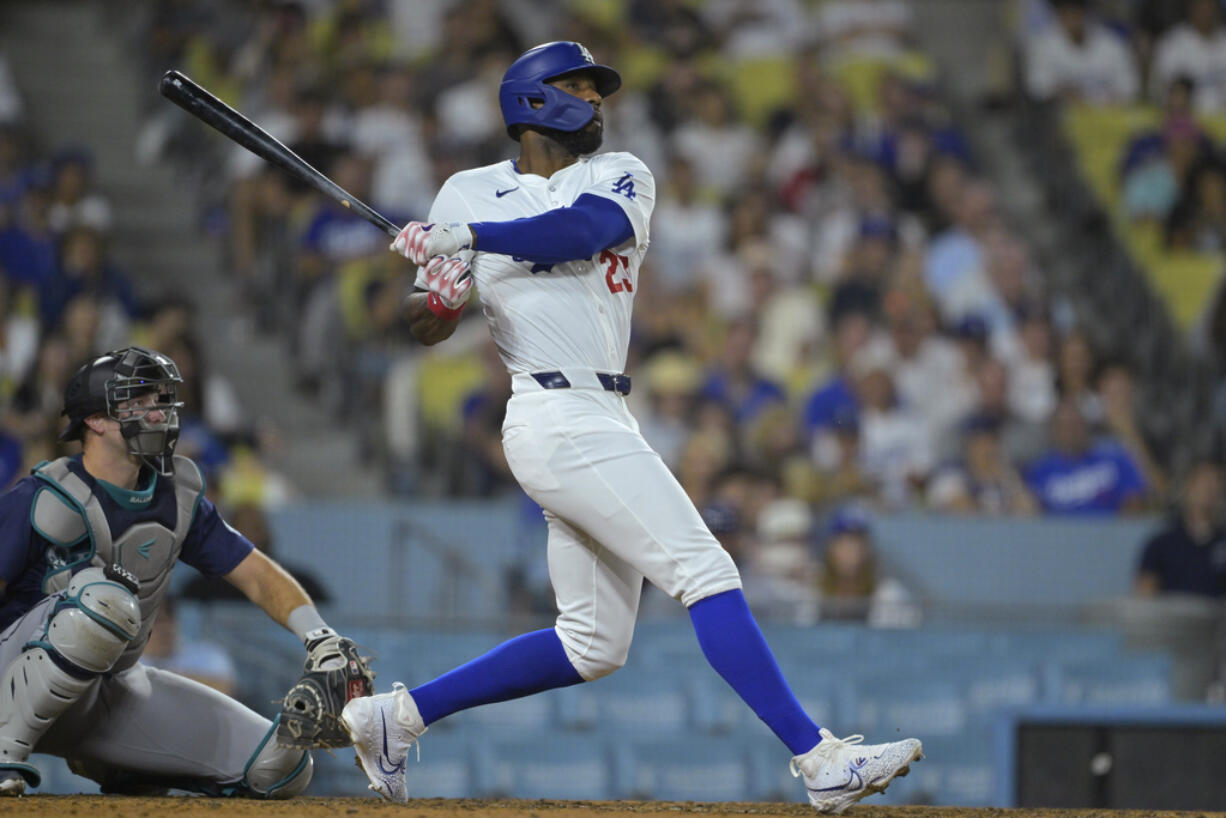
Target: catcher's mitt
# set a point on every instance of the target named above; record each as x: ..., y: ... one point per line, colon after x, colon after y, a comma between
x: 333, y: 674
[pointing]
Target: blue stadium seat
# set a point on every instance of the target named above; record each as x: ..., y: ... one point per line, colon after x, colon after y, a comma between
x: 1120, y: 680
x: 529, y: 714
x: 887, y: 708
x: 630, y: 703
x: 447, y: 767
x: 58, y: 779
x: 991, y: 684
x: 956, y: 771
x: 336, y: 774
x: 1061, y: 645
x: 545, y: 765
x: 685, y: 769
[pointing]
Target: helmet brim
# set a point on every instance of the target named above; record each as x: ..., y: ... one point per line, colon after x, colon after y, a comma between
x: 607, y: 80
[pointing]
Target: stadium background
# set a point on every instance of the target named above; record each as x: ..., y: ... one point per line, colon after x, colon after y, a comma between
x: 884, y: 253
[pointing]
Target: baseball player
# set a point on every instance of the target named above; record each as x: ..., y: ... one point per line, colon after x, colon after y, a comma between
x: 552, y: 243
x: 87, y: 544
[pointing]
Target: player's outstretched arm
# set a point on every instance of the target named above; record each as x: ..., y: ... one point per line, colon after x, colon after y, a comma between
x: 434, y: 311
x: 334, y: 672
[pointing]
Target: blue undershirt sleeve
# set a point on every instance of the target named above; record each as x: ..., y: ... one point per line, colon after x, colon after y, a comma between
x: 580, y: 231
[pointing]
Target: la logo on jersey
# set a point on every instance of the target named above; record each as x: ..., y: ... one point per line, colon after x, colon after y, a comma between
x: 625, y: 186
x: 587, y: 55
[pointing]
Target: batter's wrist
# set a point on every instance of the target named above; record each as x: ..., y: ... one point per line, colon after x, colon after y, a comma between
x: 436, y: 306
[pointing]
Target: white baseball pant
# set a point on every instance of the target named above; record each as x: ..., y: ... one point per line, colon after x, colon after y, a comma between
x: 616, y: 514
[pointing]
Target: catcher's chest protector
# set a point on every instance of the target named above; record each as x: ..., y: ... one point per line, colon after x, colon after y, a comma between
x: 71, y: 518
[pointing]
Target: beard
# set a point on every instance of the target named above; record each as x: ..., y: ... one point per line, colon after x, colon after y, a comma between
x: 577, y: 143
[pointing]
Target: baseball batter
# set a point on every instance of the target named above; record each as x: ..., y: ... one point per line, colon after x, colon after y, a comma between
x: 552, y: 244
x: 87, y: 544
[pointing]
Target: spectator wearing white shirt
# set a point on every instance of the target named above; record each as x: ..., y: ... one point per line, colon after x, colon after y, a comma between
x: 895, y: 446
x: 390, y: 132
x: 757, y: 28
x: 688, y: 231
x: 1195, y: 48
x: 720, y: 148
x: 875, y: 29
x: 929, y: 370
x: 1079, y: 59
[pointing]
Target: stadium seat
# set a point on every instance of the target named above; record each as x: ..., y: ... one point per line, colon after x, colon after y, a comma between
x: 956, y: 771
x: 630, y: 703
x: 549, y: 765
x: 685, y: 770
x: 58, y: 779
x: 886, y: 708
x: 1129, y: 680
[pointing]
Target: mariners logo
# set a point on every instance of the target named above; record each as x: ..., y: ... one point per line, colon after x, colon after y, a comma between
x: 587, y: 55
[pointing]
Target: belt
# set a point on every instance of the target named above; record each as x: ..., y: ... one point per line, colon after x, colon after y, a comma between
x: 610, y: 382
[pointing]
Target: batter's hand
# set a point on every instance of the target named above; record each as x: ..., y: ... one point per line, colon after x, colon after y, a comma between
x: 450, y: 286
x: 419, y: 242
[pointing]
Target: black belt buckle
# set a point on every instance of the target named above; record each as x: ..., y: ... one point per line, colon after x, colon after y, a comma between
x: 615, y: 383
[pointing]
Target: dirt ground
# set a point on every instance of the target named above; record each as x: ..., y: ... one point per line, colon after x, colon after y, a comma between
x: 93, y: 806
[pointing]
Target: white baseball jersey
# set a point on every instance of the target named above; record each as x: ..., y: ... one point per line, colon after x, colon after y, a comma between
x: 554, y: 317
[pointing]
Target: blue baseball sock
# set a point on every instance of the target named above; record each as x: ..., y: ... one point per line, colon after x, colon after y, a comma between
x: 519, y: 667
x: 735, y: 647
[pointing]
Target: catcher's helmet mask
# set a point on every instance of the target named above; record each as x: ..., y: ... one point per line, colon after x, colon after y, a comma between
x: 528, y: 101
x: 120, y: 377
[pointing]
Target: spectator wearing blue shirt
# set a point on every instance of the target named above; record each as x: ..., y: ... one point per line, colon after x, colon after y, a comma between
x: 1188, y: 555
x: 836, y: 397
x: 735, y: 383
x: 1079, y: 476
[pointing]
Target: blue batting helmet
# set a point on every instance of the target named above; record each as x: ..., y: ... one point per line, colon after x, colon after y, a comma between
x: 524, y: 84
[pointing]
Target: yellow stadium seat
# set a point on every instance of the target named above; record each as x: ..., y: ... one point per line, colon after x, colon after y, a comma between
x: 443, y: 383
x: 1184, y: 280
x: 760, y: 85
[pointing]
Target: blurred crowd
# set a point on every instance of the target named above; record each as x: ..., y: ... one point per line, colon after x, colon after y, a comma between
x: 1171, y: 55
x: 64, y: 300
x: 834, y: 309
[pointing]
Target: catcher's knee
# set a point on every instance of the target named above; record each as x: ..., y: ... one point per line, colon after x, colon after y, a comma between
x: 90, y: 627
x: 276, y: 771
x: 595, y: 654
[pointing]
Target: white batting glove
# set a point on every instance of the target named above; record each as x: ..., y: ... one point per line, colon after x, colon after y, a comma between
x: 449, y: 285
x: 419, y: 242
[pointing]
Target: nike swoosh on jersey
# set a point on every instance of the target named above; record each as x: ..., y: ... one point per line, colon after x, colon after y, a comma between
x: 501, y: 193
x: 395, y: 767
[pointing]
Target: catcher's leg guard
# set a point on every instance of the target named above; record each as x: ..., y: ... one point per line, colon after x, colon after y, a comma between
x: 275, y: 771
x: 87, y: 631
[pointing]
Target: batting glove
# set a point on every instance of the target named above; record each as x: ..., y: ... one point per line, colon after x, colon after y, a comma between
x: 419, y: 242
x: 450, y: 286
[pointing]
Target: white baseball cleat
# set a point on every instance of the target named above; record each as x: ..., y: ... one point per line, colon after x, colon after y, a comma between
x: 383, y: 728
x: 838, y: 772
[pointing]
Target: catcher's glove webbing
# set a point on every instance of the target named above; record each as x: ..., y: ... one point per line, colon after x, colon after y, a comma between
x: 333, y: 674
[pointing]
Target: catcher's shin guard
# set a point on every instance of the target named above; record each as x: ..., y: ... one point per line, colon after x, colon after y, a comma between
x: 86, y: 633
x: 275, y: 771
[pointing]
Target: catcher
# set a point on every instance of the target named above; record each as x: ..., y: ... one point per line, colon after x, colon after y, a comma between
x: 87, y: 544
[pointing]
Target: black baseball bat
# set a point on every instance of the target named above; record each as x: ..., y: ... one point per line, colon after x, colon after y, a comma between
x: 210, y: 110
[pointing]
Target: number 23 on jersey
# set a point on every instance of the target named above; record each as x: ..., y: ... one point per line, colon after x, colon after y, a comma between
x: 615, y: 264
